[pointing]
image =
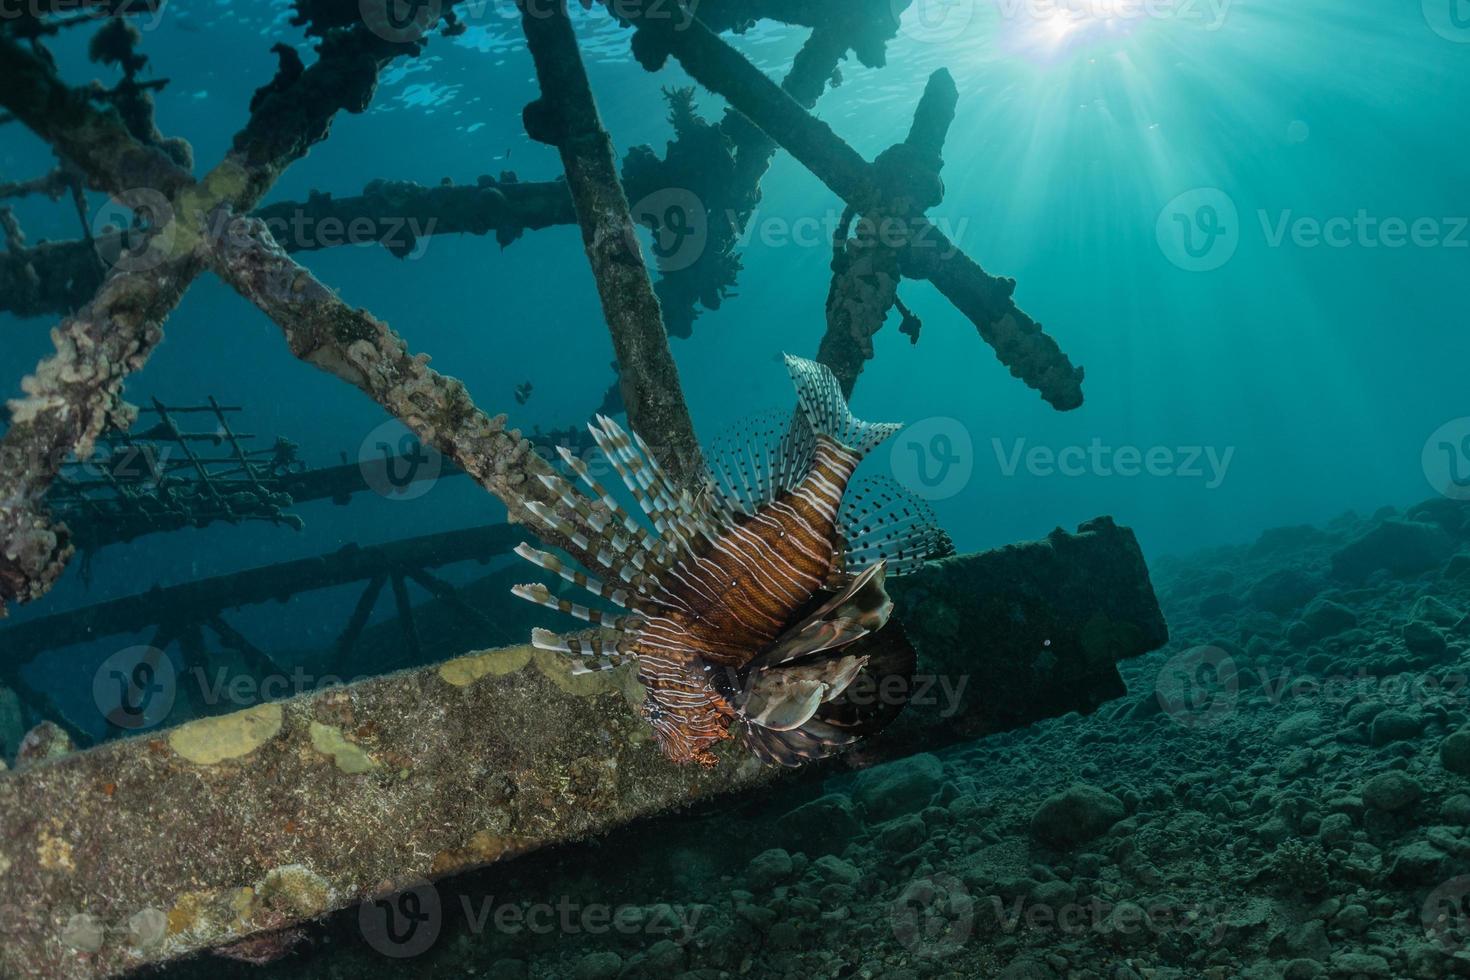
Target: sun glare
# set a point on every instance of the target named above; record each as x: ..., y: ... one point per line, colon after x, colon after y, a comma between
x: 1051, y: 30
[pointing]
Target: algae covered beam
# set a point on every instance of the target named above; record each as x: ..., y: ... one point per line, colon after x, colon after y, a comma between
x: 284, y: 811
x: 365, y: 352
x: 565, y: 116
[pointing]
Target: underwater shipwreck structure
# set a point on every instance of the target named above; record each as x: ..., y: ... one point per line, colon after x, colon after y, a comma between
x: 288, y: 809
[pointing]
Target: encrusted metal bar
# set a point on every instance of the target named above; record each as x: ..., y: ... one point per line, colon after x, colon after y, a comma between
x: 565, y: 116
x: 287, y: 810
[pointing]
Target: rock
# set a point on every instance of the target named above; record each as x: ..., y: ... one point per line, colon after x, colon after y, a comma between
x: 1055, y: 895
x: 1454, y: 753
x: 1325, y: 618
x: 1292, y: 538
x: 831, y: 868
x: 1027, y: 969
x: 1219, y: 604
x: 604, y: 965
x: 1402, y: 548
x: 768, y: 869
x: 821, y: 825
x: 1423, y: 639
x: 1306, y: 941
x: 1075, y: 816
x: 899, y: 787
x: 1357, y: 965
x: 784, y: 935
x: 760, y: 917
x: 1390, y: 792
x: 1353, y: 919
x: 1336, y: 828
x: 1433, y: 610
x: 664, y: 958
x: 1456, y: 810
x: 1284, y: 591
x: 902, y: 835
x: 1127, y: 925
x: 1393, y: 726
x: 1419, y: 863
x: 46, y: 741
x: 1297, y: 729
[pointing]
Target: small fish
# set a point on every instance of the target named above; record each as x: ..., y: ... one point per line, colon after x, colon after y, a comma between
x: 523, y: 392
x: 755, y: 601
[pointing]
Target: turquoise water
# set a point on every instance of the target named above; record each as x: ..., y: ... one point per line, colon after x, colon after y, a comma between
x: 1325, y: 369
x: 1248, y: 221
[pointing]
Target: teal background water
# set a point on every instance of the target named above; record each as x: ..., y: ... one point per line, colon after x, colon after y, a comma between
x: 1319, y: 372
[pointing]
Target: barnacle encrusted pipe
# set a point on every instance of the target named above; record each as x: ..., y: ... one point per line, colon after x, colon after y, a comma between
x: 365, y: 352
x: 566, y: 117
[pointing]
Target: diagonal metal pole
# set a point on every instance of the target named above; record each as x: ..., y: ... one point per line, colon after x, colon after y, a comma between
x: 565, y: 116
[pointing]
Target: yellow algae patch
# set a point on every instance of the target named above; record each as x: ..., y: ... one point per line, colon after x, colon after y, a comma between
x: 211, y: 740
x: 54, y: 853
x: 349, y: 757
x: 464, y: 671
x: 558, y: 669
x: 242, y: 903
x: 187, y: 912
x: 296, y: 889
x: 483, y: 848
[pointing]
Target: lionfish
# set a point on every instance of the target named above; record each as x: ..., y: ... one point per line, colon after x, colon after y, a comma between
x: 754, y: 600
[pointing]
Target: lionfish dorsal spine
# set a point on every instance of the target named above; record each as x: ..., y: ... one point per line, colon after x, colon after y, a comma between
x: 822, y: 403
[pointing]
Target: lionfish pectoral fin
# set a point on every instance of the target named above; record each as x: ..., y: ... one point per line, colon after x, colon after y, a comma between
x: 883, y: 521
x: 863, y: 607
x: 591, y: 651
x: 784, y: 698
x: 782, y: 706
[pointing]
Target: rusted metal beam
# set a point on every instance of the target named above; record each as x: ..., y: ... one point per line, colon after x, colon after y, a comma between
x: 565, y: 116
x: 284, y: 811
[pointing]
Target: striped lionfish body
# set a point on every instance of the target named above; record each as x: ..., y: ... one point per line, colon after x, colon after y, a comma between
x: 746, y: 603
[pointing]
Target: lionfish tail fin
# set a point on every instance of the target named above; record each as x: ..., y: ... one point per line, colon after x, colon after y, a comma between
x: 826, y: 409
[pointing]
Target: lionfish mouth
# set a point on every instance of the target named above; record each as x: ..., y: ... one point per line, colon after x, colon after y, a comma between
x: 756, y: 603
